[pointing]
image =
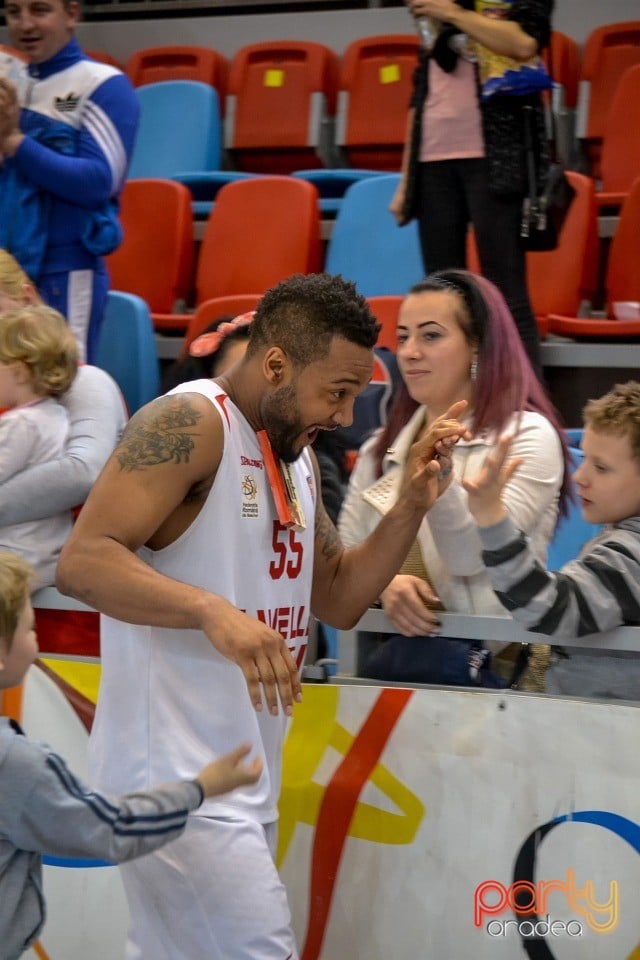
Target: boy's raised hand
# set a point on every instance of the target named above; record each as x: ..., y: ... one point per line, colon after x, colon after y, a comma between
x: 229, y: 772
x: 485, y: 489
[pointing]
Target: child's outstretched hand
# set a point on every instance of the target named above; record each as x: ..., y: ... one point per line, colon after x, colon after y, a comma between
x: 485, y: 490
x: 229, y: 772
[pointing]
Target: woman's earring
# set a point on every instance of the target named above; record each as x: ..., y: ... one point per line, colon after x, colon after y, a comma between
x: 473, y: 370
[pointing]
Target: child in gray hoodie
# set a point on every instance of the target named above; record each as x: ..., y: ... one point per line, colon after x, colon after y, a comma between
x: 600, y: 589
x: 44, y: 808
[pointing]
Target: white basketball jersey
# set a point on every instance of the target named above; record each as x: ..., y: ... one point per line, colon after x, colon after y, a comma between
x: 169, y: 702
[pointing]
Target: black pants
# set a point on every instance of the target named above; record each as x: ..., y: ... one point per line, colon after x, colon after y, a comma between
x: 442, y: 660
x: 454, y: 193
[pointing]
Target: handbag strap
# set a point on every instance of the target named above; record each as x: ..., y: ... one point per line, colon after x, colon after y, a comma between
x: 530, y: 156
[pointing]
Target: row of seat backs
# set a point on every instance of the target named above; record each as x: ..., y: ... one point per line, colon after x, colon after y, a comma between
x: 276, y: 93
x: 264, y: 228
x: 260, y: 231
x: 275, y: 118
x: 192, y: 107
x: 293, y: 81
x: 366, y: 55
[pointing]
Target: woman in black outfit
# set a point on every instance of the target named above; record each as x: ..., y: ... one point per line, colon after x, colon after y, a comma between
x: 464, y: 159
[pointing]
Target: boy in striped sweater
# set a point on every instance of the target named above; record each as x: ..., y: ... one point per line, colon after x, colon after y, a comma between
x: 600, y: 589
x: 44, y: 808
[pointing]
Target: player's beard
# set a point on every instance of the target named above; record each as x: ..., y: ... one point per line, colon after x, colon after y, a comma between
x: 282, y: 422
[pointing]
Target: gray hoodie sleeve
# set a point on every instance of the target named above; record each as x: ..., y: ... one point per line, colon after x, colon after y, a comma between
x: 598, y: 591
x: 45, y: 808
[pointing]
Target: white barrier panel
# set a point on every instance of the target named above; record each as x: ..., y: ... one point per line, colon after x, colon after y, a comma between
x: 407, y: 816
x: 398, y: 806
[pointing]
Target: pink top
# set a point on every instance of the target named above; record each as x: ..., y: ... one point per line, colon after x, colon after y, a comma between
x: 451, y: 122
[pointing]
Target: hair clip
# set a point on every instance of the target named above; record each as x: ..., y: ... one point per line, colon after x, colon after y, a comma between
x: 208, y: 343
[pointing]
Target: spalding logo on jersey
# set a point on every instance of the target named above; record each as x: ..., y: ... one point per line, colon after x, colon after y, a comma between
x: 67, y: 104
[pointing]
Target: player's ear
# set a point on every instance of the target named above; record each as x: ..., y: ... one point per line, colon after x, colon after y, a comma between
x: 275, y: 366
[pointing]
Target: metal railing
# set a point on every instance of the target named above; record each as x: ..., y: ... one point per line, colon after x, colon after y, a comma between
x: 479, y: 627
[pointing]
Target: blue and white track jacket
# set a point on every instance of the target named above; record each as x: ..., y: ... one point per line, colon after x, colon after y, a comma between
x: 58, y: 194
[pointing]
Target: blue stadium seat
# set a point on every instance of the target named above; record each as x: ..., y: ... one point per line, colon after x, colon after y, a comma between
x: 332, y: 184
x: 574, y: 436
x: 180, y: 129
x: 368, y: 247
x: 127, y: 349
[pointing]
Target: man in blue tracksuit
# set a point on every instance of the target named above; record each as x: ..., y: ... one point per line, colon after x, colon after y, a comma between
x: 67, y: 128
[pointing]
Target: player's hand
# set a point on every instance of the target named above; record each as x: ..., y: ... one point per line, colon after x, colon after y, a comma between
x: 261, y: 653
x: 423, y: 482
x: 404, y: 601
x: 485, y: 489
x: 229, y: 772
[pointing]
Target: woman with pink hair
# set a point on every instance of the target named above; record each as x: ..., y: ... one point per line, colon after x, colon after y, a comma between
x: 457, y: 341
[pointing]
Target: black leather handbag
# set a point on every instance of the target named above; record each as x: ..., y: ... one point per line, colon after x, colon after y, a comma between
x: 545, y: 206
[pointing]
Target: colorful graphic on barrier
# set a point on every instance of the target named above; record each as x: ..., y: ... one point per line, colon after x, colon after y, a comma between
x: 603, y: 917
x: 335, y: 810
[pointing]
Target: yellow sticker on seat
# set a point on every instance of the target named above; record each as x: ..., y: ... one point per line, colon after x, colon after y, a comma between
x: 274, y: 78
x: 390, y: 73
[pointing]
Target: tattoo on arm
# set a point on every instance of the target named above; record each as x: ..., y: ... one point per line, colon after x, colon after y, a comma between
x: 326, y: 535
x: 162, y: 433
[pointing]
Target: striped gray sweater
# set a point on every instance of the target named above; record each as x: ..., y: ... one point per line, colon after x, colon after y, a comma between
x: 598, y: 591
x: 44, y: 808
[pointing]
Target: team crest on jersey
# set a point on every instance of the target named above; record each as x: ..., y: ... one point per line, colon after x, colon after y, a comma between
x: 67, y: 104
x: 249, y: 496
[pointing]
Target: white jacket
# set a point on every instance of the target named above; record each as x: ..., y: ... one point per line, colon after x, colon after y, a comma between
x: 448, y: 537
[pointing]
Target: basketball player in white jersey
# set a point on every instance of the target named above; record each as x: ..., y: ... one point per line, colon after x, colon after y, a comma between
x: 206, y: 584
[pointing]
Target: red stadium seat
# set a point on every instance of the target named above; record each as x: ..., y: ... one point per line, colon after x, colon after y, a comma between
x: 559, y: 280
x: 103, y: 57
x: 622, y: 282
x: 609, y: 51
x: 279, y: 95
x: 373, y: 99
x: 154, y: 64
x: 259, y: 232
x: 155, y: 259
x: 621, y: 143
x: 562, y: 60
x: 385, y: 310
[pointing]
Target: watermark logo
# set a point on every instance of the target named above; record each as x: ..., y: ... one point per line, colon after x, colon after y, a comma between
x: 531, y: 900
